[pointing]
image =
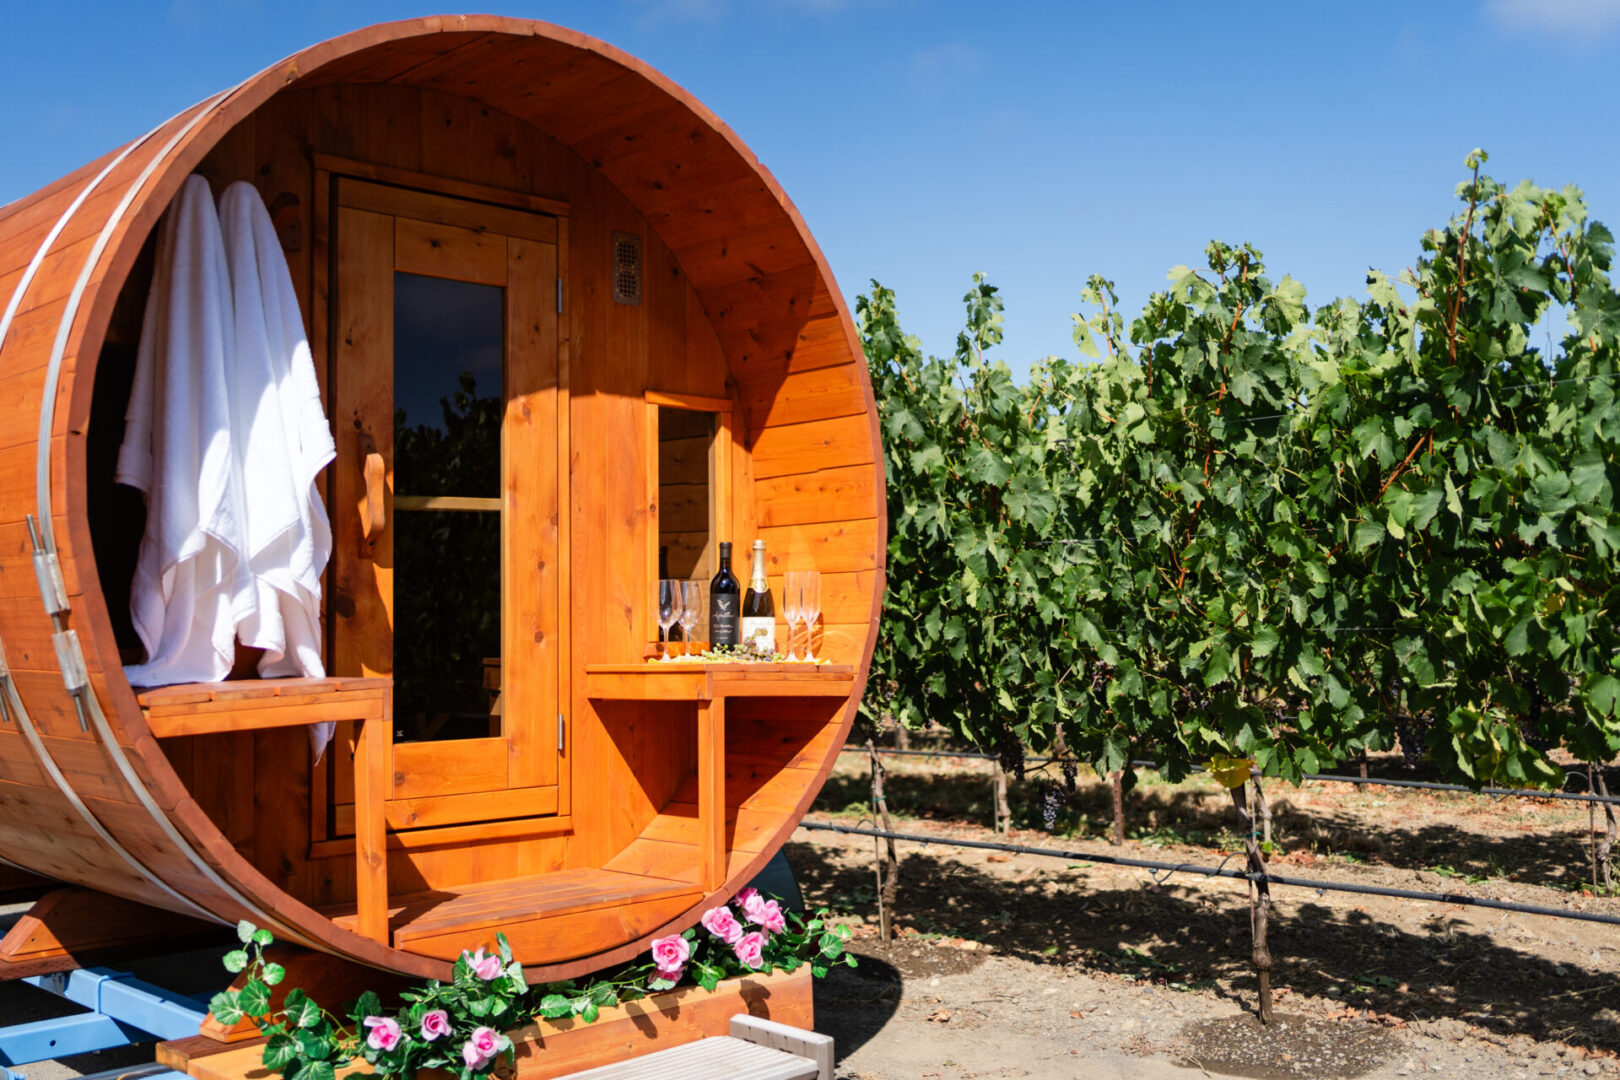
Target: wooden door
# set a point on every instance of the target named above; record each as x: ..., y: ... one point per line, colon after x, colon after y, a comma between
x: 450, y: 473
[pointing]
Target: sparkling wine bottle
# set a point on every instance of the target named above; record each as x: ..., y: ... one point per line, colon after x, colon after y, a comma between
x: 758, y: 612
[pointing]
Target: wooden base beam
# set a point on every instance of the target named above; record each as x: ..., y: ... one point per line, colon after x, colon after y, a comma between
x: 69, y: 926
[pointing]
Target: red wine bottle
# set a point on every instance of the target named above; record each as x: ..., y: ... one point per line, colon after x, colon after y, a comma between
x: 725, y: 602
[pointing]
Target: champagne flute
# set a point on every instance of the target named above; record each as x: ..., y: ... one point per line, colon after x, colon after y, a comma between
x: 669, y: 610
x: 691, y: 609
x: 790, y: 607
x: 810, y: 610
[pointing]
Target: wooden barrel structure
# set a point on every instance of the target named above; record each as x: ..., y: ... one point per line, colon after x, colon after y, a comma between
x: 677, y: 368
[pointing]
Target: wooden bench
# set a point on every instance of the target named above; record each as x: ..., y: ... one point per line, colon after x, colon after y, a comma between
x: 756, y: 1049
x: 257, y: 704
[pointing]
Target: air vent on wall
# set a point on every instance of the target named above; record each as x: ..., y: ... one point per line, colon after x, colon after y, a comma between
x: 626, y: 268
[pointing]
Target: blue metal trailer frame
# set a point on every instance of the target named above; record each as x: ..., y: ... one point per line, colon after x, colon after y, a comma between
x: 122, y: 1011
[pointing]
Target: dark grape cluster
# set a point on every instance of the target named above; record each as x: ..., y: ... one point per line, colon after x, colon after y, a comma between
x: 1011, y: 752
x: 1071, y: 770
x: 1410, y: 730
x: 1530, y: 730
x: 1051, y: 803
x: 1534, y: 739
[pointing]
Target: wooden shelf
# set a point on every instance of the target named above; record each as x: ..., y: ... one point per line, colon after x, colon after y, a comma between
x: 675, y: 680
x: 708, y: 686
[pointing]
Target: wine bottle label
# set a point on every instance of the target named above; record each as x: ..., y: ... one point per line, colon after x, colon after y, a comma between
x: 759, y: 634
x: 723, y: 628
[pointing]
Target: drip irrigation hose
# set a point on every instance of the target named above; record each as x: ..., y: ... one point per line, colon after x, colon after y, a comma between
x: 1221, y: 872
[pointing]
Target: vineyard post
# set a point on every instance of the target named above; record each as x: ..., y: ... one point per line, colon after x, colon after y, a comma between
x: 1606, y: 848
x: 1116, y: 781
x: 1259, y: 890
x: 1003, y: 811
x: 1591, y: 828
x: 888, y: 871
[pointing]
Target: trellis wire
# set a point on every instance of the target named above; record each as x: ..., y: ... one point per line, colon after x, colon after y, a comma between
x: 1170, y: 869
x: 1370, y: 781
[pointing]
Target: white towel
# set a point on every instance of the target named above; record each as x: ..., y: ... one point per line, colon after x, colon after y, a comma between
x: 282, y: 442
x: 191, y: 585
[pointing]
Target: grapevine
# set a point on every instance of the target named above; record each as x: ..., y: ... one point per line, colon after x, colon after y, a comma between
x: 1239, y: 527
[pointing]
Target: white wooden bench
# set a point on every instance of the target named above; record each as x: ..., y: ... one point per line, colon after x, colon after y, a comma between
x: 755, y: 1050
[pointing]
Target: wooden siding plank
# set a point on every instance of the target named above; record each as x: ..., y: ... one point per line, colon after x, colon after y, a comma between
x: 821, y: 394
x: 822, y: 444
x: 807, y: 498
x: 831, y: 547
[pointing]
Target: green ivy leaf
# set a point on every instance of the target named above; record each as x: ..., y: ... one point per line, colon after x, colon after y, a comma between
x: 254, y: 998
x: 556, y: 1006
x: 226, y: 1008
x: 300, y: 1009
x: 279, y: 1051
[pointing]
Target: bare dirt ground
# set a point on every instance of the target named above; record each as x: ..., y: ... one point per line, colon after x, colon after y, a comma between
x: 1011, y: 966
x: 1031, y: 966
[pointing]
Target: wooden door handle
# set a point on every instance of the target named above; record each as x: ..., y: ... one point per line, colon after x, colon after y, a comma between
x: 373, y: 516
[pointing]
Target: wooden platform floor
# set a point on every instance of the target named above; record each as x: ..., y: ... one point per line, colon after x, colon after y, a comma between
x: 546, y: 917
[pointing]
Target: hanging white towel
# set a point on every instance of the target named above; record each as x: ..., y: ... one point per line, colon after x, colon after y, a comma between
x: 191, y: 585
x: 282, y: 442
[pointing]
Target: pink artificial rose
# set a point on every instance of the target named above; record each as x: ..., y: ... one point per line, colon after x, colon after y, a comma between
x: 767, y: 914
x: 480, y: 1048
x: 750, y: 949
x: 434, y: 1024
x: 670, y: 955
x: 722, y: 924
x: 485, y: 967
x: 385, y: 1033
x: 747, y: 896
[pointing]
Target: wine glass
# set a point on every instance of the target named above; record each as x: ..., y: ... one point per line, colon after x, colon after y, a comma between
x: 810, y: 610
x: 669, y: 610
x: 790, y: 607
x: 691, y: 608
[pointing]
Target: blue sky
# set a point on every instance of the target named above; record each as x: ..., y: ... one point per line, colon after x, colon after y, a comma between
x: 1038, y: 142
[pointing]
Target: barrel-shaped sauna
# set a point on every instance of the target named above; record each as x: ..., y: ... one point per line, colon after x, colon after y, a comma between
x: 521, y: 246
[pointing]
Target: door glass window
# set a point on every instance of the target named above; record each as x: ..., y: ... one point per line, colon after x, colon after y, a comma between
x: 449, y: 347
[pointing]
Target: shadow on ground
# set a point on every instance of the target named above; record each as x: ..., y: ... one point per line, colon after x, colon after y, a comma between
x: 1184, y: 938
x: 854, y: 1004
x: 1546, y: 850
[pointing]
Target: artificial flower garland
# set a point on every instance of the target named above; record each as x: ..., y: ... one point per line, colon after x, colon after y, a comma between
x: 459, y: 1026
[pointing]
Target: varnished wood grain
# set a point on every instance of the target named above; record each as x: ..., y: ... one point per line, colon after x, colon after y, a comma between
x: 739, y: 305
x: 362, y: 416
x: 370, y: 828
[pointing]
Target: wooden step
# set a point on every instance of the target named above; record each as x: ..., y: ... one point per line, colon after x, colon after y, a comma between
x: 547, y: 917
